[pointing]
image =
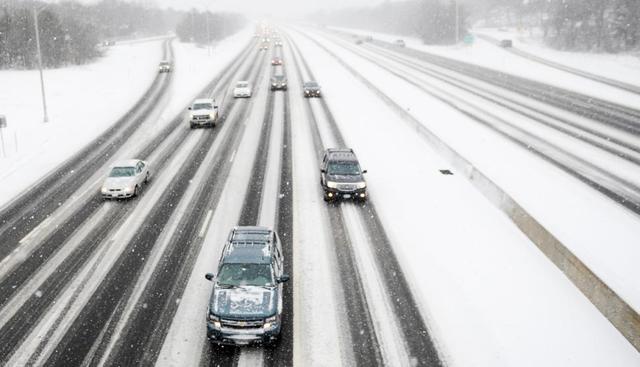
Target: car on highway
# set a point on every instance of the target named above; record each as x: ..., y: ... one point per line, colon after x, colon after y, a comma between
x: 399, y: 43
x: 245, y: 306
x: 164, y: 67
x: 506, y: 43
x: 276, y: 61
x: 311, y: 89
x: 204, y: 112
x: 242, y: 89
x: 341, y: 176
x: 277, y: 43
x: 278, y: 82
x: 125, y: 179
x: 264, y: 46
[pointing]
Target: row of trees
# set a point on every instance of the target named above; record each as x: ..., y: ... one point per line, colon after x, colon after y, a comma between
x: 71, y: 33
x: 434, y: 21
x: 205, y: 27
x: 585, y: 25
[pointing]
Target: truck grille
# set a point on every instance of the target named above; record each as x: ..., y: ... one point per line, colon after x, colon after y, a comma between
x: 236, y: 324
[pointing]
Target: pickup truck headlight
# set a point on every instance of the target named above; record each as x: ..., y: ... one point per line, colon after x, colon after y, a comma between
x: 104, y: 190
x: 361, y: 185
x: 332, y: 185
x: 211, y: 116
x: 128, y: 189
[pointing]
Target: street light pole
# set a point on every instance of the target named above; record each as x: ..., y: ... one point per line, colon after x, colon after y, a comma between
x: 457, y: 22
x: 44, y: 98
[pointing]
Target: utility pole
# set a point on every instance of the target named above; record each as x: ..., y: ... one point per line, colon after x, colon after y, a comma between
x: 44, y: 98
x: 457, y: 21
x: 206, y: 14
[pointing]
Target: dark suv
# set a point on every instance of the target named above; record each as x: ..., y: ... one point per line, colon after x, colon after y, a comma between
x: 246, y: 301
x: 341, y: 176
x: 311, y: 89
x: 278, y: 82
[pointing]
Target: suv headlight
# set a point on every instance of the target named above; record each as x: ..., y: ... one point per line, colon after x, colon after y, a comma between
x: 128, y: 189
x: 104, y: 190
x: 215, y: 320
x: 361, y: 185
x: 332, y: 185
x: 270, y: 322
x: 211, y: 116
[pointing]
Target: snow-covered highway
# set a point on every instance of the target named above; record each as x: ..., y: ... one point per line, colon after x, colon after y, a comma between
x: 426, y: 272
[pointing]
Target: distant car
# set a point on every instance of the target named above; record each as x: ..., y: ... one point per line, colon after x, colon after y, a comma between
x: 359, y: 42
x: 246, y: 304
x: 204, y: 112
x: 341, y: 176
x: 278, y: 82
x: 399, y: 43
x: 278, y: 43
x: 242, y: 89
x: 311, y: 89
x: 276, y: 61
x: 125, y: 179
x: 164, y: 67
x: 368, y: 38
x: 506, y: 43
x: 109, y: 43
x: 264, y: 46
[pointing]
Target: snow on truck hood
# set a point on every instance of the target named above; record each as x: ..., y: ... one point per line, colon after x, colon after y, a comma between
x: 243, y: 302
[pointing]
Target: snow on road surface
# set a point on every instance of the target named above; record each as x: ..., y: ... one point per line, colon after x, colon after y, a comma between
x: 82, y: 102
x: 490, y: 297
x: 488, y: 55
x: 622, y: 67
x: 86, y: 100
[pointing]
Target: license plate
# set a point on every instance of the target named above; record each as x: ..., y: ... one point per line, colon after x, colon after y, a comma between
x: 346, y: 196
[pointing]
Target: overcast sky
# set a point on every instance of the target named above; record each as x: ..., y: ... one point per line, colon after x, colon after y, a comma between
x: 260, y: 7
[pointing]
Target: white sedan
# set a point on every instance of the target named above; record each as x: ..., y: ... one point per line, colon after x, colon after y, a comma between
x: 242, y: 89
x: 125, y: 179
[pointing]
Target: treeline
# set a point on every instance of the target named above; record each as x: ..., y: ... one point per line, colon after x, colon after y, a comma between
x: 204, y: 27
x: 579, y: 25
x: 433, y: 21
x: 72, y: 33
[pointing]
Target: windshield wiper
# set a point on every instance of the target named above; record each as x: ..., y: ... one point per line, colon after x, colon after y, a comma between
x: 223, y: 285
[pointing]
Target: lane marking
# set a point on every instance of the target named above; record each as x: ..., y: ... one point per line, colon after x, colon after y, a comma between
x: 35, y: 231
x: 205, y: 225
x: 233, y: 156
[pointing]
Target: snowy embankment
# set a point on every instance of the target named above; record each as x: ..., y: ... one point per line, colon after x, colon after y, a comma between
x: 490, y: 296
x: 86, y: 100
x: 622, y: 67
x: 486, y: 54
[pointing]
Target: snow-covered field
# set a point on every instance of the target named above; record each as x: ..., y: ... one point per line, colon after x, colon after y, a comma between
x: 84, y: 101
x: 489, y: 293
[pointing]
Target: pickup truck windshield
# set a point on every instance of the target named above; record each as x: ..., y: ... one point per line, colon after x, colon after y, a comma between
x: 246, y: 274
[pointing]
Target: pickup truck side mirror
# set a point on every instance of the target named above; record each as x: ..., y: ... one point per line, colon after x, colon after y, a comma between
x: 189, y: 108
x: 283, y: 278
x: 322, y: 170
x: 215, y: 106
x: 364, y: 171
x: 209, y: 276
